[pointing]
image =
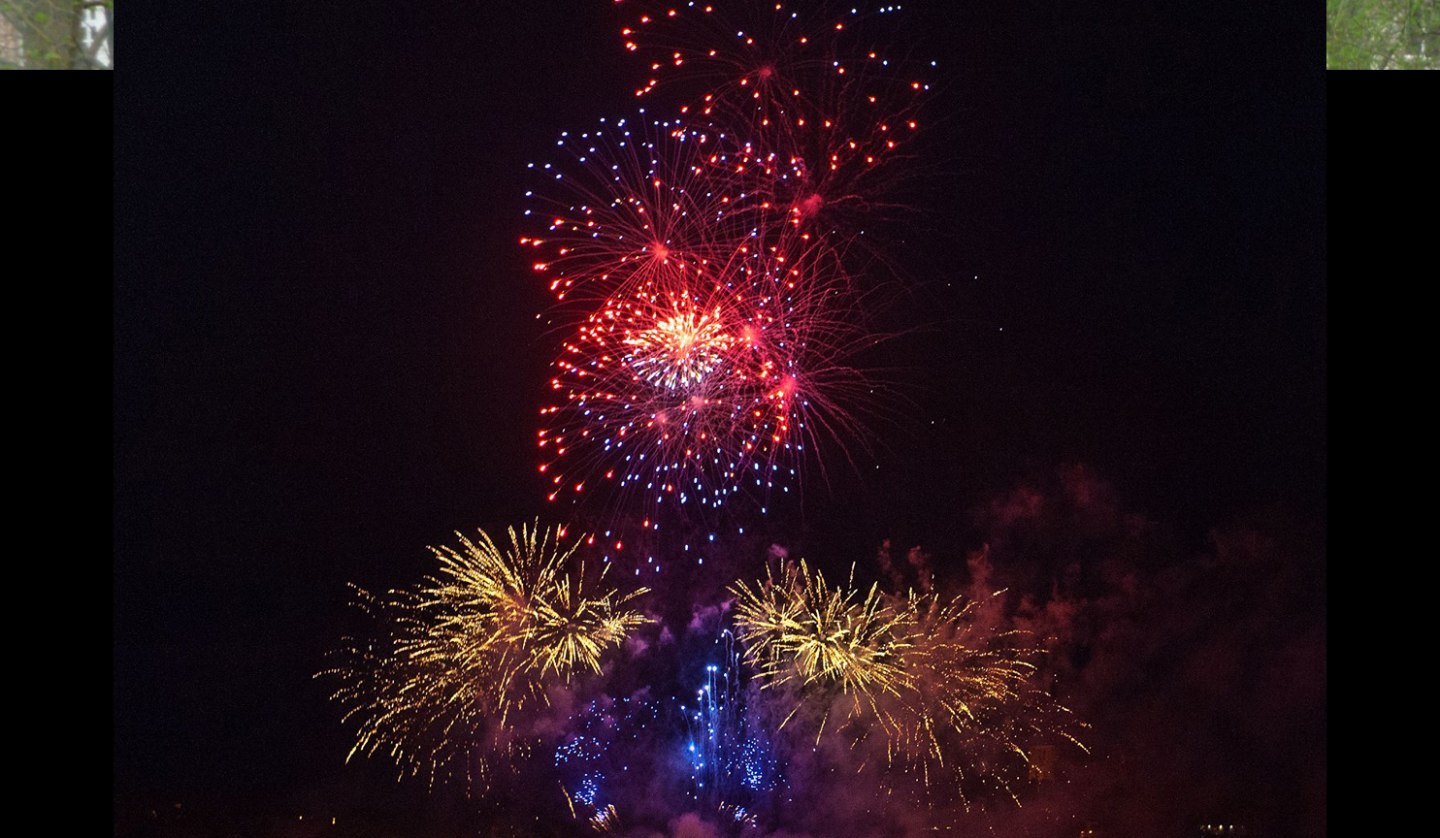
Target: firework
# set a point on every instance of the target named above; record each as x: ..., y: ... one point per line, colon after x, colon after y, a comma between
x: 706, y: 268
x: 634, y: 202
x: 608, y: 744
x: 776, y: 67
x: 528, y: 608
x: 975, y: 714
x: 732, y: 766
x: 418, y: 709
x: 645, y: 759
x: 824, y: 104
x: 458, y: 657
x: 716, y: 339
x: 824, y: 640
x: 949, y: 695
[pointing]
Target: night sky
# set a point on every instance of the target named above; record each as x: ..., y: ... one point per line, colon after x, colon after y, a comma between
x: 327, y: 358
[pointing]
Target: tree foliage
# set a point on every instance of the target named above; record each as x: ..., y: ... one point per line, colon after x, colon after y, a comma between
x: 1382, y: 35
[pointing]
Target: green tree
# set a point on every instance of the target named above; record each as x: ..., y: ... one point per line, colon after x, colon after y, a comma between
x: 1382, y: 35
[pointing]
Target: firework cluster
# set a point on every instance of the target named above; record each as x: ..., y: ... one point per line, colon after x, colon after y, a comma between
x: 714, y: 288
x: 472, y: 675
x: 439, y: 686
x: 706, y: 266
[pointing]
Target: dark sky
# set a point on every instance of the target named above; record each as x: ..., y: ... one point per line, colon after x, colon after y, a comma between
x: 326, y: 353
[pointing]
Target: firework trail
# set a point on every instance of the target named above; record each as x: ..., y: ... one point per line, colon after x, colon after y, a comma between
x: 458, y: 658
x: 639, y: 759
x: 732, y: 765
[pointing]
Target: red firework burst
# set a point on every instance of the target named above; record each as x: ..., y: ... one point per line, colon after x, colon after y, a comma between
x: 700, y: 267
x: 700, y: 383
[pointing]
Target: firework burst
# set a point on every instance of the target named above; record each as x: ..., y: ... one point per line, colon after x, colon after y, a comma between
x: 950, y: 697
x: 824, y: 640
x: 705, y: 268
x: 716, y: 342
x: 460, y: 656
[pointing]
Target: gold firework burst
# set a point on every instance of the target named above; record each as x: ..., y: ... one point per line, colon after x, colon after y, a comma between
x: 459, y: 656
x: 950, y: 692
